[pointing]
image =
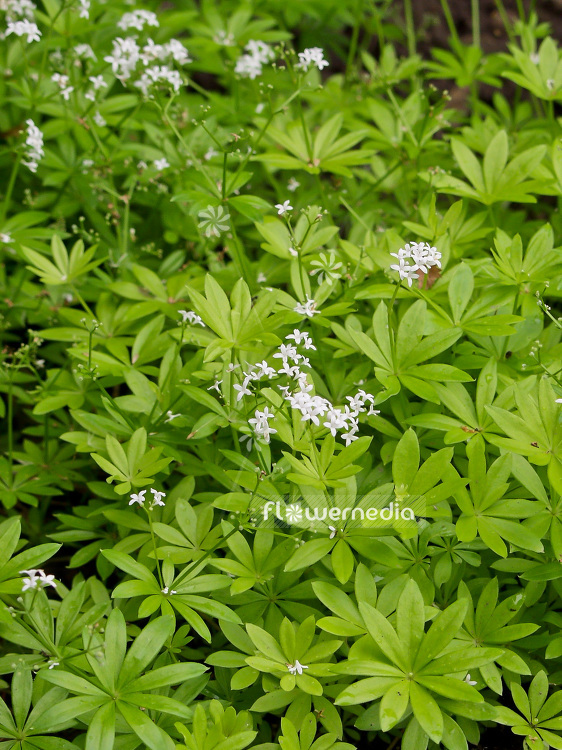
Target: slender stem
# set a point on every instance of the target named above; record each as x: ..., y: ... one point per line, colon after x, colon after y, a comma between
x: 155, y: 550
x: 475, y: 10
x: 450, y: 23
x: 10, y: 425
x: 354, y: 38
x: 82, y: 301
x: 9, y: 190
x: 410, y: 30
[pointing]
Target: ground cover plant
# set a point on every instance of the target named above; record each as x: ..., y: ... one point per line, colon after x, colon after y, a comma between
x: 280, y: 378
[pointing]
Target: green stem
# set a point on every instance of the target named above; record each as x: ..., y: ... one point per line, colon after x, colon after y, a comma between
x: 450, y: 23
x: 475, y: 11
x: 354, y: 39
x: 410, y: 30
x: 10, y: 425
x: 155, y: 550
x: 9, y: 191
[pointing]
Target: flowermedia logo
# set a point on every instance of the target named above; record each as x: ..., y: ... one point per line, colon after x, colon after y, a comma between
x: 296, y: 514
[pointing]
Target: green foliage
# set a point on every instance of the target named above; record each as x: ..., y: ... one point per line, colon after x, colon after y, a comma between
x: 280, y: 379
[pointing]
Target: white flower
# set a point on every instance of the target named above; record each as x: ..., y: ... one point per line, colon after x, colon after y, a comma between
x: 124, y: 57
x: 423, y: 255
x: 293, y: 252
x: 62, y: 82
x: 167, y: 590
x: 137, y: 498
x: 282, y: 208
x: 265, y: 370
x: 210, y: 153
x: 99, y: 120
x: 261, y: 278
x: 84, y: 11
x: 157, y: 498
x: 85, y: 51
x: 5, y: 238
x: 98, y: 82
x: 153, y: 76
x: 24, y: 28
x: 52, y: 664
x: 336, y: 421
x: 251, y: 65
x: 558, y: 401
x: 243, y: 389
x: 170, y: 416
x: 292, y: 185
x: 34, y: 146
x: 36, y: 578
x: 161, y: 164
x: 307, y: 308
x: 296, y: 668
x: 189, y: 316
x: 468, y: 680
x: 287, y: 351
x: 215, y: 386
x: 261, y: 425
x: 214, y: 221
x: 312, y: 56
x: 138, y: 19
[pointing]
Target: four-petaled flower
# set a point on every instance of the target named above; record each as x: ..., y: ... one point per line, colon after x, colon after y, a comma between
x: 138, y: 498
x: 282, y: 208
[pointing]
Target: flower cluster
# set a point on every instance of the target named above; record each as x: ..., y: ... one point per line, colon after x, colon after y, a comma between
x: 188, y: 316
x: 251, y: 64
x: 261, y: 425
x: 35, y: 579
x: 423, y: 255
x: 24, y: 28
x: 314, y: 409
x: 138, y: 19
x: 33, y: 146
x: 155, y: 500
x: 127, y: 54
x: 312, y: 56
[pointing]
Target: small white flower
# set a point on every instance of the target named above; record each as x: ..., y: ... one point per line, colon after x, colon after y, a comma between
x: 296, y: 668
x: 157, y: 498
x: 161, y: 164
x: 24, y: 28
x: 261, y: 278
x: 215, y: 386
x: 293, y: 252
x: 292, y: 185
x: 52, y: 664
x: 312, y: 56
x: 98, y: 82
x: 168, y: 591
x: 36, y: 578
x: 137, y: 498
x: 99, y: 120
x: 5, y: 238
x: 170, y: 416
x: 189, y: 316
x: 138, y: 19
x: 468, y: 680
x: 307, y: 308
x: 559, y: 400
x: 242, y: 389
x: 282, y: 208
